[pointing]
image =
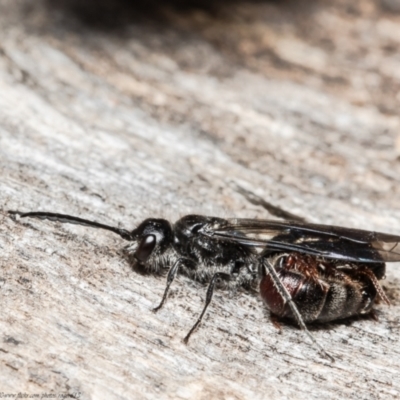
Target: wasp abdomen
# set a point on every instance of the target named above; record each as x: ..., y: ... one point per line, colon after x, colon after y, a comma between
x: 321, y: 291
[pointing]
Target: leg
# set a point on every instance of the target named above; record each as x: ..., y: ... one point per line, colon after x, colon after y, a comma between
x: 210, y: 292
x: 371, y: 276
x: 267, y: 268
x: 170, y: 278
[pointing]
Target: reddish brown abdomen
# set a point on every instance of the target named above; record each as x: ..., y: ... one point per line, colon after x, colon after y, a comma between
x: 320, y: 292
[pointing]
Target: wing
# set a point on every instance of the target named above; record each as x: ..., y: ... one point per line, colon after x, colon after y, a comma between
x: 326, y: 241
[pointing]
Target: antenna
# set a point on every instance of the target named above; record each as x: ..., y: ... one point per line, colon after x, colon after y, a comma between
x: 70, y: 219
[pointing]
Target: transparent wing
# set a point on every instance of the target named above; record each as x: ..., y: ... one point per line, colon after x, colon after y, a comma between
x: 320, y: 240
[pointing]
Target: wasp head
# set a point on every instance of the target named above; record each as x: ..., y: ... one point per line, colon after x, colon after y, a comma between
x: 152, y: 245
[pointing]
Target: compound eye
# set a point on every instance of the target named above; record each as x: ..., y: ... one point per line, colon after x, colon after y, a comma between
x: 145, y: 248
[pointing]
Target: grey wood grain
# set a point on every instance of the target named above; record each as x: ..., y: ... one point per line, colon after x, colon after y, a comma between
x: 116, y: 112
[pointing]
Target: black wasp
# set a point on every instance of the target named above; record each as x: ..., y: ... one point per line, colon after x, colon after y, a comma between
x: 306, y: 272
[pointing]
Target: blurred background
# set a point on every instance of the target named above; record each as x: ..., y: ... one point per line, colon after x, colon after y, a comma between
x: 118, y: 110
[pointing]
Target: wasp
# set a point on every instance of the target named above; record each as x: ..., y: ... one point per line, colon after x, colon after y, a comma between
x: 305, y: 272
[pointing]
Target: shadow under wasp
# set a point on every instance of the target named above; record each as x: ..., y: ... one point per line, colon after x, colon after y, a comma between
x: 305, y: 272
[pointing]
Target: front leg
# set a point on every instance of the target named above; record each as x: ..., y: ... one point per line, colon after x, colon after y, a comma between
x: 170, y: 278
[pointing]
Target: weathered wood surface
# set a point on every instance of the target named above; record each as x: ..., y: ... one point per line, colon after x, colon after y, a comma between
x: 115, y: 112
